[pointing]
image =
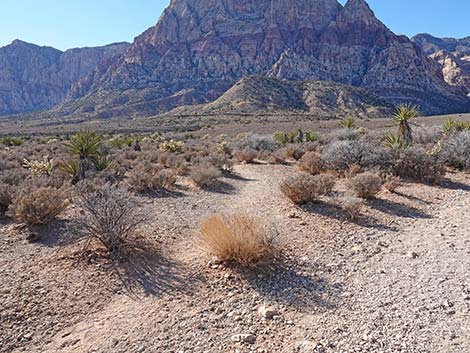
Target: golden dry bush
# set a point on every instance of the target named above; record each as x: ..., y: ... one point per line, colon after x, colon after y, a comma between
x: 311, y: 163
x: 6, y: 198
x: 365, y: 185
x: 41, y: 205
x: 238, y: 238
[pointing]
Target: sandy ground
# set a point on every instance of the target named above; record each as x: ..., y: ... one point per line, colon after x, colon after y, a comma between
x: 397, y: 281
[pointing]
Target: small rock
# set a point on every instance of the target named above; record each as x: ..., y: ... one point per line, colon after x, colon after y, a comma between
x: 293, y: 215
x: 412, y: 255
x: 33, y: 237
x: 244, y: 338
x: 267, y: 312
x: 302, y: 223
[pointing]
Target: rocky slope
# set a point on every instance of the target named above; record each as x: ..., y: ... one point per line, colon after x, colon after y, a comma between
x: 35, y: 78
x: 200, y: 48
x: 452, y: 54
x: 258, y: 94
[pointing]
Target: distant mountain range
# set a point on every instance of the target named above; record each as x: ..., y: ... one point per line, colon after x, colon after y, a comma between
x: 200, y: 50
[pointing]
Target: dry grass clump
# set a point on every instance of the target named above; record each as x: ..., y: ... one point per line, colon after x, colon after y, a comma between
x: 311, y: 163
x: 392, y: 183
x: 146, y: 177
x: 109, y: 215
x: 351, y: 205
x: 238, y: 238
x: 204, y: 175
x: 365, y: 185
x: 39, y: 205
x: 6, y: 198
x: 303, y: 188
x: 293, y: 151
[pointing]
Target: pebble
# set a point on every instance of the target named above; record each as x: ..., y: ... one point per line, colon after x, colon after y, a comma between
x: 244, y: 338
x: 267, y: 312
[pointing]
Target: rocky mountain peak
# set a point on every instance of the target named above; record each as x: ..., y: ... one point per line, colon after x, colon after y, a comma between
x: 360, y: 11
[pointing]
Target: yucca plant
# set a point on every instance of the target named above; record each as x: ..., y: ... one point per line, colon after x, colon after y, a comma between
x: 451, y: 125
x: 394, y: 142
x: 311, y: 136
x: 100, y: 163
x: 348, y: 123
x: 85, y: 145
x: 402, y: 116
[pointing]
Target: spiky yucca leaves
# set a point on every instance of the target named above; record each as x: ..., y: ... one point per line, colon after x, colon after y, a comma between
x: 85, y: 145
x: 402, y: 116
x: 394, y: 142
x: 348, y: 123
x: 451, y: 125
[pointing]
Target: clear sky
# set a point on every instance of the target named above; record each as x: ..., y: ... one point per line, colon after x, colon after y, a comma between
x: 76, y: 23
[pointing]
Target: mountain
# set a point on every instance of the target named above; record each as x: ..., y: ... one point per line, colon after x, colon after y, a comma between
x: 431, y: 44
x: 35, y: 78
x: 201, y: 48
x: 453, y: 55
x: 264, y: 95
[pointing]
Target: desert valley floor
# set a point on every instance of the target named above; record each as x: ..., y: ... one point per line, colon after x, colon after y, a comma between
x: 396, y: 281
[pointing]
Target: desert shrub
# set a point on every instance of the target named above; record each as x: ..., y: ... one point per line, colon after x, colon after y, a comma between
x: 246, y: 155
x: 260, y: 143
x: 348, y: 123
x: 311, y: 163
x: 146, y: 177
x: 172, y: 146
x: 456, y: 151
x: 427, y: 136
x: 298, y: 136
x: 13, y: 177
x: 293, y: 151
x: 345, y: 135
x: 39, y: 167
x: 451, y: 126
x: 204, y: 175
x: 276, y: 157
x: 304, y: 188
x: 341, y: 155
x: 238, y: 238
x: 12, y: 141
x: 109, y: 214
x: 221, y: 162
x: 6, y: 198
x: 365, y: 185
x: 392, y: 183
x: 351, y: 205
x: 415, y: 163
x: 39, y: 205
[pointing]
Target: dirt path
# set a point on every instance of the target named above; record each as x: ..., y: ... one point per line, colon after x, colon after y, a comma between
x: 396, y: 282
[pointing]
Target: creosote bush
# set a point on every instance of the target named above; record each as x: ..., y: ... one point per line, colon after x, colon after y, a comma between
x: 365, y: 185
x: 6, y: 198
x: 204, y: 175
x: 351, y: 205
x: 145, y: 177
x: 392, y: 183
x: 38, y: 204
x: 311, y: 163
x: 238, y: 238
x: 109, y: 214
x: 303, y: 188
x: 246, y: 155
x: 456, y: 151
x: 417, y: 164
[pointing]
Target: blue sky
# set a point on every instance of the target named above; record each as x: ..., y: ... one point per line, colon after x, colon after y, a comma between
x: 76, y: 23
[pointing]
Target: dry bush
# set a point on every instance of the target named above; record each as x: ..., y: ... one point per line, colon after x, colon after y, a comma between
x: 456, y: 151
x: 221, y: 162
x: 238, y: 238
x: 6, y: 198
x: 415, y: 163
x: 147, y: 178
x: 311, y: 163
x: 109, y: 214
x: 351, y: 205
x: 365, y: 185
x: 246, y: 156
x: 204, y: 175
x: 353, y: 170
x: 341, y: 155
x: 293, y: 151
x: 259, y: 143
x: 303, y: 188
x: 39, y: 204
x: 392, y: 183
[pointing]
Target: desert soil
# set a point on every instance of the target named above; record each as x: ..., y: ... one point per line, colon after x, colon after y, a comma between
x: 398, y: 280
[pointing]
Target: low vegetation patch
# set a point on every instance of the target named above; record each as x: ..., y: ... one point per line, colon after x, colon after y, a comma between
x: 365, y: 185
x: 238, y: 238
x: 205, y: 175
x: 304, y: 188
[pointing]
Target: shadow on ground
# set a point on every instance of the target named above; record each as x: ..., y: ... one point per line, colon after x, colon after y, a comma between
x: 145, y: 271
x: 291, y: 284
x: 397, y: 209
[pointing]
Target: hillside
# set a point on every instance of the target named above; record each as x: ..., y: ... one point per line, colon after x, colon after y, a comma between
x: 257, y: 94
